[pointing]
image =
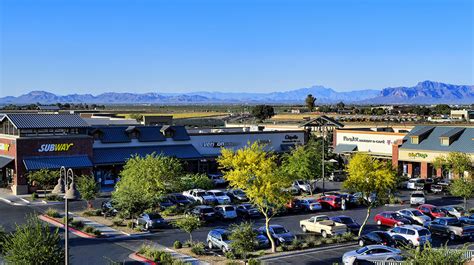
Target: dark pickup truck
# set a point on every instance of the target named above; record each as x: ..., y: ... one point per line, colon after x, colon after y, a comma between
x: 450, y: 227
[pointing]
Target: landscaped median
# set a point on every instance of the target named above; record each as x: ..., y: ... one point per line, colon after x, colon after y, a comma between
x: 77, y: 227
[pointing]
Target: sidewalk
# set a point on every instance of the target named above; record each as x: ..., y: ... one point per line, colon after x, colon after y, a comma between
x: 7, y: 196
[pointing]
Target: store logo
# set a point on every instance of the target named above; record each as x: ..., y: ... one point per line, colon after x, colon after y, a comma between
x: 417, y: 155
x: 4, y: 147
x: 218, y: 144
x: 291, y: 137
x: 55, y: 147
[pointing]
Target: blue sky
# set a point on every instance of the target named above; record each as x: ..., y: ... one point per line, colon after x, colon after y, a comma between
x: 94, y: 46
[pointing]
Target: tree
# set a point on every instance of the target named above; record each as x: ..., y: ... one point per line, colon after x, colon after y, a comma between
x: 88, y: 188
x: 263, y: 112
x: 456, y: 162
x: 194, y: 181
x: 243, y: 238
x: 310, y: 102
x: 304, y: 161
x: 462, y: 187
x: 188, y: 224
x: 340, y: 105
x: 137, y: 116
x: 143, y: 181
x: 44, y: 178
x: 255, y: 171
x: 369, y: 175
x: 435, y: 256
x: 33, y: 243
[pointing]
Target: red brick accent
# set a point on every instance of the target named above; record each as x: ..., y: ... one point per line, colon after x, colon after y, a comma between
x: 410, y: 169
x: 424, y: 170
x: 439, y: 172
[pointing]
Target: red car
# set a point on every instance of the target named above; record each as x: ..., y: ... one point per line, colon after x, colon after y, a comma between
x: 330, y: 202
x: 391, y: 219
x: 431, y: 210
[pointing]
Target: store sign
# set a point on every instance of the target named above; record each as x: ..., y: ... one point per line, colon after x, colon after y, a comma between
x: 291, y: 138
x: 417, y: 155
x: 218, y: 144
x: 4, y: 147
x: 362, y: 140
x: 55, y: 147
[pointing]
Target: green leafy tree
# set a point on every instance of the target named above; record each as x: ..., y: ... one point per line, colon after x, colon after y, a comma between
x: 310, y: 102
x: 263, y: 112
x: 369, y: 175
x: 88, y: 188
x: 340, y: 105
x: 44, y: 178
x: 188, y: 224
x: 194, y: 181
x: 456, y: 162
x: 243, y: 239
x: 256, y: 172
x: 144, y: 180
x: 33, y: 243
x: 462, y: 187
x: 435, y: 256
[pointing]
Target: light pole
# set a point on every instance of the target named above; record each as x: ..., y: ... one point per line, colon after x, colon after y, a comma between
x: 71, y: 193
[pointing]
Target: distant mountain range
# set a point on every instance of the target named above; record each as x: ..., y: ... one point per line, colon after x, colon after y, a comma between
x: 426, y: 92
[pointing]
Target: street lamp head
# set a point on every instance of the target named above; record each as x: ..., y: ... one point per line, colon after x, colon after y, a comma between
x: 59, y: 188
x: 332, y: 161
x: 72, y: 193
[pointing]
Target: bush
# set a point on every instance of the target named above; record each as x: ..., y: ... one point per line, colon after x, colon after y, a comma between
x: 150, y: 252
x: 34, y: 196
x: 177, y: 244
x: 244, y: 239
x: 280, y: 249
x: 330, y: 240
x: 229, y: 255
x: 97, y: 232
x: 171, y: 211
x: 96, y: 212
x: 166, y: 258
x: 89, y: 229
x: 254, y: 262
x: 340, y: 239
x: 471, y: 210
x: 52, y: 213
x: 117, y: 222
x: 198, y: 248
x: 232, y: 262
x: 188, y: 243
x: 296, y: 244
x: 53, y: 197
x: 130, y: 224
x: 348, y: 236
x: 70, y: 219
x: 77, y: 224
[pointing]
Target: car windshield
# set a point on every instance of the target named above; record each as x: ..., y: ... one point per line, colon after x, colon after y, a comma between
x: 346, y: 220
x: 201, y: 193
x: 279, y: 230
x: 384, y: 236
x: 207, y: 210
x: 418, y: 195
x: 396, y: 215
x: 180, y: 197
x: 436, y: 210
x: 239, y: 193
x: 154, y: 216
x: 218, y: 194
x: 312, y: 200
x: 459, y: 209
x: 417, y: 213
x: 361, y: 250
x: 228, y: 208
x: 424, y: 232
x: 452, y: 222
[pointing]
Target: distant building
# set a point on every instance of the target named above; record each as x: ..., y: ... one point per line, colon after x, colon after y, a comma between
x: 157, y: 119
x: 50, y: 108
x: 467, y: 115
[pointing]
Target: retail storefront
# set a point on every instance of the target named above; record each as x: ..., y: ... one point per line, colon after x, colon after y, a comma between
x: 30, y: 142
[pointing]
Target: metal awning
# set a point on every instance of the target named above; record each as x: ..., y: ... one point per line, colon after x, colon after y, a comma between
x: 345, y: 148
x: 56, y: 162
x: 5, y: 160
x: 119, y: 155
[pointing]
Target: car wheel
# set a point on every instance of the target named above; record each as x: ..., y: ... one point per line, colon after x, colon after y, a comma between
x: 209, y: 244
x: 304, y: 229
x: 224, y: 250
x: 330, y: 207
x: 147, y: 227
x: 379, y: 222
x: 452, y: 236
x: 395, y: 225
x: 390, y: 259
x: 361, y: 243
x: 324, y: 234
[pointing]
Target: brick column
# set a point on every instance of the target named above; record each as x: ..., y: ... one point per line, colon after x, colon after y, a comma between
x: 439, y: 172
x: 424, y: 170
x: 410, y: 170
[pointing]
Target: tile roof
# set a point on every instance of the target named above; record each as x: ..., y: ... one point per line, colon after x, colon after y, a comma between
x: 119, y: 155
x: 115, y: 134
x: 150, y: 134
x: 464, y: 143
x: 56, y: 162
x: 180, y: 133
x: 42, y: 121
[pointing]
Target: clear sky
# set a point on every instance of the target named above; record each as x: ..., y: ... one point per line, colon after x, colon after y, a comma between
x: 94, y: 46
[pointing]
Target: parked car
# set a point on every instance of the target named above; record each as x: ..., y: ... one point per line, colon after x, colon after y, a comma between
x: 368, y: 199
x: 450, y: 227
x: 323, y: 225
x: 279, y: 233
x: 330, y: 202
x: 226, y: 212
x: 247, y: 210
x: 217, y: 179
x: 200, y: 196
x: 417, y: 198
x: 416, y: 184
x: 293, y: 206
x: 292, y: 190
x: 262, y: 239
x: 165, y: 202
x: 415, y: 214
x: 237, y: 195
x: 415, y: 234
x: 372, y: 253
x: 377, y: 238
x: 302, y: 186
x: 431, y: 211
x: 204, y: 213
x: 390, y: 218
x: 220, y: 196
x: 467, y: 219
x: 352, y: 226
x: 150, y: 221
x: 453, y: 211
x: 108, y: 209
x: 179, y: 199
x: 310, y: 204
x: 338, y: 175
x: 436, y: 188
x: 219, y: 238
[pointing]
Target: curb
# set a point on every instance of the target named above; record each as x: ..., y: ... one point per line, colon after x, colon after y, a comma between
x: 10, y: 202
x: 278, y: 255
x: 61, y: 225
x: 138, y: 257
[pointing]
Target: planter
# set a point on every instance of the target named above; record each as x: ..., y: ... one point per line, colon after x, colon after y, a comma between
x: 136, y: 256
x: 80, y: 233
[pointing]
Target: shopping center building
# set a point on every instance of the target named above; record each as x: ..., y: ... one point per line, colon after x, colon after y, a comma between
x: 30, y: 142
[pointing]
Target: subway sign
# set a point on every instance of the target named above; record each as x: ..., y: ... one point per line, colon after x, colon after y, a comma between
x: 55, y: 147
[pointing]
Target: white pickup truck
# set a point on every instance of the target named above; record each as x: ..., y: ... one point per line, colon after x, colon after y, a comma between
x: 322, y: 225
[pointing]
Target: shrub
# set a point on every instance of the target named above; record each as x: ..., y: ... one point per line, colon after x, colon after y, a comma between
x: 70, y: 219
x: 348, y: 236
x: 97, y: 232
x: 130, y: 224
x: 340, y: 239
x: 34, y: 196
x: 96, y: 212
x: 229, y: 255
x: 330, y: 240
x: 171, y: 211
x: 232, y: 262
x: 53, y: 197
x: 198, y: 248
x: 77, y: 224
x: 471, y: 210
x: 89, y: 229
x: 150, y: 252
x: 296, y: 244
x: 166, y: 258
x: 179, y: 262
x: 188, y: 243
x: 117, y: 222
x: 177, y: 244
x: 280, y: 249
x: 318, y: 242
x: 254, y: 262
x: 244, y: 239
x: 52, y: 213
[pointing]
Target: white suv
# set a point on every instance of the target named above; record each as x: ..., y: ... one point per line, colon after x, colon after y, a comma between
x: 200, y: 196
x: 220, y: 196
x: 415, y: 234
x: 417, y: 198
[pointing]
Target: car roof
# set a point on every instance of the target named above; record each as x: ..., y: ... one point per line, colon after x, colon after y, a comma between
x: 321, y: 215
x: 447, y: 218
x: 274, y: 226
x: 415, y: 227
x: 226, y: 205
x: 390, y: 212
x: 215, y: 191
x: 378, y: 246
x: 203, y: 207
x: 219, y: 230
x: 341, y: 216
x: 409, y: 209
